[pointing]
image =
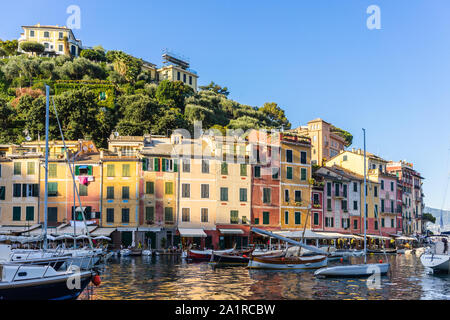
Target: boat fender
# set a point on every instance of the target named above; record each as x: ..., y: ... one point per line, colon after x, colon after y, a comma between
x: 381, y: 261
x: 342, y: 260
x: 96, y: 280
x: 244, y: 256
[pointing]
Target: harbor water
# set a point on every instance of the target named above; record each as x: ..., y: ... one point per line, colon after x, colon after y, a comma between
x: 172, y: 278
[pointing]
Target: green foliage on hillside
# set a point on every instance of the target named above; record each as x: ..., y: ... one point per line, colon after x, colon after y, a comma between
x: 345, y: 134
x: 99, y: 93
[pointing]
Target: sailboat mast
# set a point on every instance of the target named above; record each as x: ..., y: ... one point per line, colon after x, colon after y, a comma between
x: 47, y: 91
x: 365, y: 200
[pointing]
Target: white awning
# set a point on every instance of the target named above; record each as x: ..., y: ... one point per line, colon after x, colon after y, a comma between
x: 378, y: 237
x: 335, y: 235
x: 192, y: 233
x: 156, y: 229
x: 406, y: 238
x: 299, y: 234
x: 231, y: 231
x: 102, y: 232
x: 17, y: 229
x: 79, y: 231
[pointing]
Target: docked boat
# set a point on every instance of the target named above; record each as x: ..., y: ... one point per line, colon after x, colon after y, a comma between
x: 204, y: 255
x: 436, y: 258
x: 282, y: 263
x: 382, y: 251
x: 232, y: 258
x: 355, y: 270
x: 147, y: 253
x: 30, y: 282
x: 125, y: 252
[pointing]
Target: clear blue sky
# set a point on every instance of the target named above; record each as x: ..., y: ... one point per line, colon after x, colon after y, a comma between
x: 315, y: 58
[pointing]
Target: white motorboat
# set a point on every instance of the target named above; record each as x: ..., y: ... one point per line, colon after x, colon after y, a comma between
x: 31, y: 282
x: 355, y: 270
x: 147, y: 252
x: 288, y: 263
x: 436, y: 258
x: 125, y: 252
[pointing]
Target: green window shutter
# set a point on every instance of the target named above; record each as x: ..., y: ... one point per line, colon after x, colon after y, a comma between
x: 30, y: 168
x: 316, y: 218
x: 17, y: 168
x: 90, y: 170
x: 150, y: 187
x: 168, y: 214
x: 149, y: 214
x: 125, y: 193
x: 234, y: 217
x: 30, y: 213
x: 223, y: 194
x: 286, y: 217
x: 16, y: 213
x: 169, y: 188
x: 164, y: 165
x: 243, y: 195
x: 243, y: 170
x: 77, y: 170
x: 83, y: 190
x: 257, y: 172
x: 144, y: 164
x: 298, y: 218
x: 110, y: 193
x: 53, y: 189
x: 256, y: 220
x: 266, y: 217
x: 2, y: 193
x: 157, y: 164
x: 289, y: 173
x: 304, y: 174
x: 110, y: 168
x: 175, y: 165
x: 224, y: 168
x: 125, y: 170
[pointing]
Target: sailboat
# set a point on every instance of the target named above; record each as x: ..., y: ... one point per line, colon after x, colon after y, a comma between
x: 357, y: 270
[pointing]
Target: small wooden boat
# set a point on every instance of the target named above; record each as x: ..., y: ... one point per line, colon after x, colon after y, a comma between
x: 355, y: 270
x: 231, y: 258
x: 282, y: 263
x: 204, y: 255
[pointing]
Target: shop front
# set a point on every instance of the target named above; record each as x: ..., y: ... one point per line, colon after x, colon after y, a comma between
x: 233, y: 237
x: 193, y: 238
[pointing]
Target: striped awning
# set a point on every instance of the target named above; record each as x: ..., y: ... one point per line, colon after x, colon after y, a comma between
x: 192, y: 233
x: 231, y: 231
x: 102, y: 232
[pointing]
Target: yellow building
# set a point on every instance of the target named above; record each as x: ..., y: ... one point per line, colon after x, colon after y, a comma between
x: 295, y: 181
x: 56, y: 40
x: 325, y: 141
x: 177, y: 68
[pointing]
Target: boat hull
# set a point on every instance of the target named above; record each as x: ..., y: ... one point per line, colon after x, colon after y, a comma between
x: 437, y: 262
x: 358, y: 270
x: 54, y: 288
x: 277, y: 263
x: 229, y: 259
x: 204, y: 255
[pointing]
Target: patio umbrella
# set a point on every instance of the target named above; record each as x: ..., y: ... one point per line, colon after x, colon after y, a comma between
x: 102, y: 238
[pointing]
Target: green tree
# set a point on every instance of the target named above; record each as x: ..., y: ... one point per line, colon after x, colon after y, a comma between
x: 7, y: 122
x: 127, y: 66
x: 276, y: 115
x: 10, y: 47
x: 173, y: 94
x: 93, y: 55
x: 215, y: 88
x: 429, y: 217
x: 33, y: 47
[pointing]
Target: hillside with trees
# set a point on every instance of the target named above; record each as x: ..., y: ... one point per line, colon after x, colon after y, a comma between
x: 101, y: 92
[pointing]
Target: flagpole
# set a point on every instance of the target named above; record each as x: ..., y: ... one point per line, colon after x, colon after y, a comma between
x: 365, y: 200
x: 47, y: 107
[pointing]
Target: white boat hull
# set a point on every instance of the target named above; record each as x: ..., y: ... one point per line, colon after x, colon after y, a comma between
x: 438, y: 262
x: 147, y: 252
x: 358, y: 270
x: 256, y: 264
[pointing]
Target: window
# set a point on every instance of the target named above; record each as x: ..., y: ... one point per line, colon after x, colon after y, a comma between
x: 298, y: 218
x: 2, y: 193
x: 52, y: 214
x: 275, y: 173
x: 329, y: 222
x: 234, y: 217
x: 17, y: 168
x: 125, y: 215
x: 17, y: 190
x: 169, y: 188
x: 83, y: 190
x: 355, y: 187
x: 336, y: 189
x: 266, y: 217
x: 186, y: 214
x: 243, y: 195
x: 149, y: 187
x: 110, y: 193
x: 168, y: 214
x: 30, y: 168
x: 382, y: 184
x: 149, y: 214
x: 186, y: 190
x: 344, y: 205
x: 178, y: 76
x: 186, y: 165
x: 17, y: 213
x: 286, y: 217
x: 60, y: 48
x: 205, y: 191
x: 110, y: 215
x: 126, y: 170
x: 392, y: 186
x: 267, y: 195
x: 52, y: 170
x: 376, y: 211
x: 329, y: 189
x: 289, y: 156
x: 256, y: 220
x: 375, y: 225
x: 382, y: 222
x: 224, y: 168
x: 53, y: 189
x: 345, y: 190
x: 83, y: 170
x: 345, y: 158
x: 303, y: 172
x: 375, y: 192
x: 125, y: 193
x: 289, y: 173
x: 205, y: 166
x: 243, y: 170
x: 32, y: 33
x: 392, y: 206
x: 190, y: 80
x: 382, y: 205
x: 223, y: 194
x: 204, y: 215
x: 392, y: 223
x: 298, y: 196
x: 184, y: 78
x: 30, y: 213
x: 329, y: 204
x: 110, y: 170
x: 257, y: 172
x: 46, y: 34
x: 355, y: 224
x: 102, y: 96
x: 355, y: 205
x: 316, y: 218
x: 303, y: 157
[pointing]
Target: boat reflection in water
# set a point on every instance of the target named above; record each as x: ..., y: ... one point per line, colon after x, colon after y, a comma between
x: 172, y: 278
